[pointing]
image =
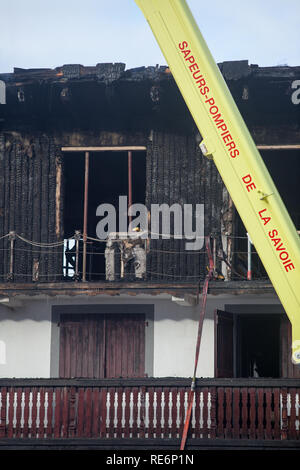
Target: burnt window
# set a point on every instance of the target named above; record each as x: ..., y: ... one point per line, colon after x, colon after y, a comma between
x: 108, y: 179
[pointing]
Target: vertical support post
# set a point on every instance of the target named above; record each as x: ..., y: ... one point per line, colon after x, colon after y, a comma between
x: 215, y: 252
x: 67, y: 246
x: 130, y: 182
x: 85, y: 213
x: 11, y: 237
x: 77, y: 238
x: 121, y: 246
x: 249, y: 270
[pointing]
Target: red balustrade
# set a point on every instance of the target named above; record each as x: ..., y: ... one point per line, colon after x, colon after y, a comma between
x: 237, y: 409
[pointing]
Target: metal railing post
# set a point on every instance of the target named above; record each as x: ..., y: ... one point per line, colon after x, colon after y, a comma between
x: 77, y: 237
x: 11, y: 237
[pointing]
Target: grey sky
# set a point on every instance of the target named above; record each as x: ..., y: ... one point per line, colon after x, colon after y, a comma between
x: 36, y: 33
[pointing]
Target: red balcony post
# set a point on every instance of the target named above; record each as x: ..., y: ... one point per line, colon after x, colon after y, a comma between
x: 213, y: 421
x: 3, y: 412
x: 72, y: 419
x: 284, y: 426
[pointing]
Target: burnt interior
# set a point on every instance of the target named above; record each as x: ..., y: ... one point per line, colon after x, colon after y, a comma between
x: 108, y: 179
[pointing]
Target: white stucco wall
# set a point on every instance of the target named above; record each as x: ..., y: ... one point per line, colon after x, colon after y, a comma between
x: 175, y: 336
x: 25, y: 335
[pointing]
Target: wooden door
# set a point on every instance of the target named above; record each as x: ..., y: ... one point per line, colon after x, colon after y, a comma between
x: 100, y: 346
x: 223, y: 344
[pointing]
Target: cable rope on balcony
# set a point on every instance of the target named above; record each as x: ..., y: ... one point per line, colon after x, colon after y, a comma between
x: 75, y: 252
x: 170, y: 236
x: 48, y: 245
x: 73, y: 238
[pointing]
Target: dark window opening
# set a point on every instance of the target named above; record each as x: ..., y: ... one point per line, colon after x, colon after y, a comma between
x: 258, y: 345
x: 249, y: 345
x: 108, y: 179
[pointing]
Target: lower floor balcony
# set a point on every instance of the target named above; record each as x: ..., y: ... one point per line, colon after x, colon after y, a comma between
x: 149, y: 413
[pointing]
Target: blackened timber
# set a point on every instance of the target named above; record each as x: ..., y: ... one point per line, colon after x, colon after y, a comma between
x: 28, y: 199
x: 29, y: 209
x: 149, y: 160
x: 182, y: 189
x: 192, y: 197
x: 191, y: 151
x: 176, y: 185
x: 6, y: 207
x: 176, y: 173
x: 53, y: 289
x: 179, y: 174
x: 58, y: 208
x: 44, y: 156
x: 172, y: 196
x: 153, y: 199
x: 12, y: 194
x: 59, y: 194
x: 36, y: 222
x: 23, y: 209
x: 53, y: 268
x: 12, y: 205
x: 160, y: 199
x: 2, y: 199
x: 18, y: 268
x: 165, y: 197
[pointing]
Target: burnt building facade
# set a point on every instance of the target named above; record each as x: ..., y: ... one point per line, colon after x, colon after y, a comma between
x: 73, y: 305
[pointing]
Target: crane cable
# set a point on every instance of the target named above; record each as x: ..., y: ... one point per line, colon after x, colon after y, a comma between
x: 200, y: 326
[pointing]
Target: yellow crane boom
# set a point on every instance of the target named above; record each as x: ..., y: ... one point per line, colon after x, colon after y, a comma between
x: 228, y: 142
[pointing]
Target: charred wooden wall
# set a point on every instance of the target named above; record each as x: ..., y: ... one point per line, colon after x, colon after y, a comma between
x: 178, y: 173
x: 28, y: 185
x: 108, y: 105
x: 31, y: 201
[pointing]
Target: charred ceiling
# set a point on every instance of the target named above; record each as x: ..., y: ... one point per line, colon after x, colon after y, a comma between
x: 108, y: 97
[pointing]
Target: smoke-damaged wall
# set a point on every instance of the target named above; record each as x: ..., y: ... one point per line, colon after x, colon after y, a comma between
x: 29, y: 172
x: 32, y: 192
x: 178, y: 173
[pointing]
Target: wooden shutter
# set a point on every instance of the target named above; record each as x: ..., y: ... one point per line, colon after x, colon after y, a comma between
x: 223, y: 344
x: 82, y: 349
x: 288, y: 369
x: 99, y: 346
x: 125, y: 346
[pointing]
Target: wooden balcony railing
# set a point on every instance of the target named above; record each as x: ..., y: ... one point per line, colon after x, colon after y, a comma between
x: 252, y: 409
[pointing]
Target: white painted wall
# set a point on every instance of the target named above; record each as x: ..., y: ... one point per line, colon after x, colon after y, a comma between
x: 25, y: 334
x: 175, y: 336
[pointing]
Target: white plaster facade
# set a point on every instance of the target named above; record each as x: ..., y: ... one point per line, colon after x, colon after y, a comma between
x: 27, y: 348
